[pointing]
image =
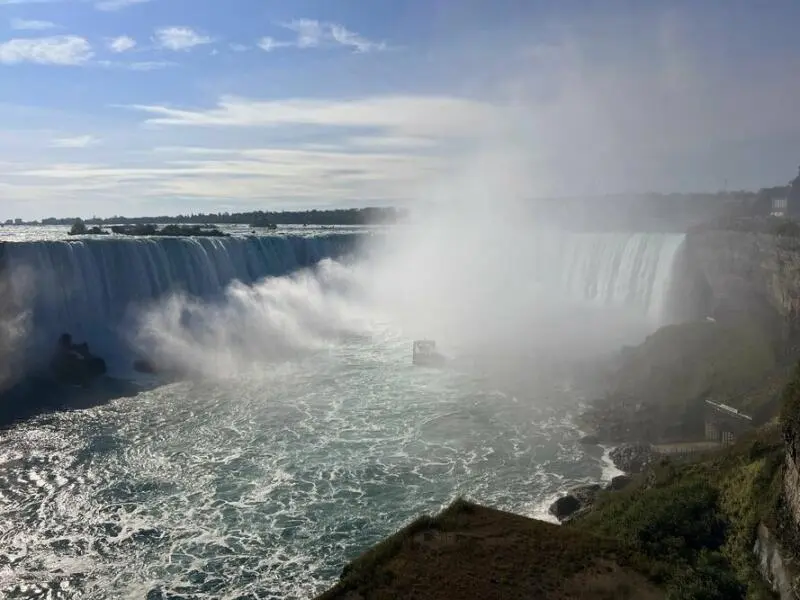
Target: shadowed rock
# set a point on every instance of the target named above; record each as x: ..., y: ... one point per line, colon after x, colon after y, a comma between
x: 74, y: 364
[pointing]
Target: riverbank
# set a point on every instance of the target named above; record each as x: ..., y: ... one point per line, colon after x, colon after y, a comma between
x: 681, y: 529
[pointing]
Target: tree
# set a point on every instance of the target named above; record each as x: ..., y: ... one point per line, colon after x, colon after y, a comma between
x: 794, y: 192
x: 78, y: 227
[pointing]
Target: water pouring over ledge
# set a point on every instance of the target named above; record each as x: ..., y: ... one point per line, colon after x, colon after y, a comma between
x: 308, y: 424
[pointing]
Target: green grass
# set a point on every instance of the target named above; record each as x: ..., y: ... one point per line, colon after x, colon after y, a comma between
x: 696, y: 521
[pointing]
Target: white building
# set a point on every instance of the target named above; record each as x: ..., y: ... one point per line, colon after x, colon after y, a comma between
x: 779, y: 206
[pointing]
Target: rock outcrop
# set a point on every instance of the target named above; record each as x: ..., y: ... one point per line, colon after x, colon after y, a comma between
x: 74, y: 364
x: 632, y: 458
x: 735, y: 275
x: 620, y: 482
x: 580, y: 499
x: 773, y: 564
x: 565, y: 507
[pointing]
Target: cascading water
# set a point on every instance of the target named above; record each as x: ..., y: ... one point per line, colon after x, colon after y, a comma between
x: 608, y: 270
x: 89, y: 287
x: 529, y: 291
x: 266, y: 482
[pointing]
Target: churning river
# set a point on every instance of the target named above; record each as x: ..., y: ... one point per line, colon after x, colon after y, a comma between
x: 264, y: 481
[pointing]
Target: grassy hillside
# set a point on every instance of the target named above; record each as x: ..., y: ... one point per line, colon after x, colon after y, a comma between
x: 679, y: 366
x: 469, y: 551
x: 680, y: 363
x: 696, y: 521
x: 683, y: 531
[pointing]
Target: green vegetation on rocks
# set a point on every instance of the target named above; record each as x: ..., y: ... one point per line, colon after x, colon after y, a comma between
x: 470, y: 551
x: 679, y: 364
x: 696, y: 521
x: 790, y: 410
x: 683, y: 530
x: 658, y: 388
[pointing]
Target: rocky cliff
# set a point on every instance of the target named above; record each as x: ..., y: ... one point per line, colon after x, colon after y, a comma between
x: 734, y: 275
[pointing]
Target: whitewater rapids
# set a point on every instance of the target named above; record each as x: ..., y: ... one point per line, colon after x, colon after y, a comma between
x: 262, y: 479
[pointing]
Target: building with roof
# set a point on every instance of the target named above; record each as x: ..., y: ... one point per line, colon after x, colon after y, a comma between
x: 724, y: 424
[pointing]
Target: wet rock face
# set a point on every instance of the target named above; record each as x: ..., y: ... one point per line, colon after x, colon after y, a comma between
x: 564, y: 507
x: 580, y: 499
x: 74, y: 364
x: 632, y: 458
x: 791, y: 487
x: 619, y: 482
x: 731, y: 275
x: 586, y: 494
x: 773, y: 564
x: 576, y: 501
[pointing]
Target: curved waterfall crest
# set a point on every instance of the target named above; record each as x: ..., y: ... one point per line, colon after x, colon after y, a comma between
x: 615, y: 270
x: 90, y: 286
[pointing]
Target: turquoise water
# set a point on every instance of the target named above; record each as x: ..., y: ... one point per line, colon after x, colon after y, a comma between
x: 264, y: 486
x: 303, y: 435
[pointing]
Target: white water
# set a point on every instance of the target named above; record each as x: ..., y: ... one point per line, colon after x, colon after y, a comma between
x: 312, y: 437
x: 92, y: 288
x: 610, y: 270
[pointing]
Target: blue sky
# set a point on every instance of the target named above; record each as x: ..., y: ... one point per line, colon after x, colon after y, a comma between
x: 166, y: 106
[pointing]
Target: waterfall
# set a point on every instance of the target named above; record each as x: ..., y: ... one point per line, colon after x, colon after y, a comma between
x: 89, y: 287
x: 629, y: 271
x: 93, y: 288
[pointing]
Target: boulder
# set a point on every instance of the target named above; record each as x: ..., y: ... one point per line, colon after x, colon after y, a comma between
x: 632, y: 458
x: 586, y: 494
x: 619, y: 482
x: 564, y: 507
x: 576, y: 515
x: 578, y: 500
x: 144, y: 365
x: 74, y: 364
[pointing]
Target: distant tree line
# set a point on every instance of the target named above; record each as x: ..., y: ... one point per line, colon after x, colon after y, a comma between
x: 632, y: 212
x: 348, y: 216
x: 659, y: 212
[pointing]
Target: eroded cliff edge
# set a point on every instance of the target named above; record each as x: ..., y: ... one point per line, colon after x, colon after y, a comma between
x: 732, y: 276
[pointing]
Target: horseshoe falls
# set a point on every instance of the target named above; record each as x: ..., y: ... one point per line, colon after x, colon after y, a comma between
x: 614, y: 270
x: 263, y: 482
x: 89, y: 287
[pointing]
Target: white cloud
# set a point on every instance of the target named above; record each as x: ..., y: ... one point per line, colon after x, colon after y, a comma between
x: 65, y: 50
x: 122, y: 43
x: 81, y: 141
x: 311, y: 33
x: 268, y: 44
x: 406, y: 115
x: 348, y: 38
x: 32, y: 25
x: 386, y: 162
x: 180, y: 38
x: 149, y: 65
x: 117, y: 4
x: 286, y: 175
x: 589, y: 122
